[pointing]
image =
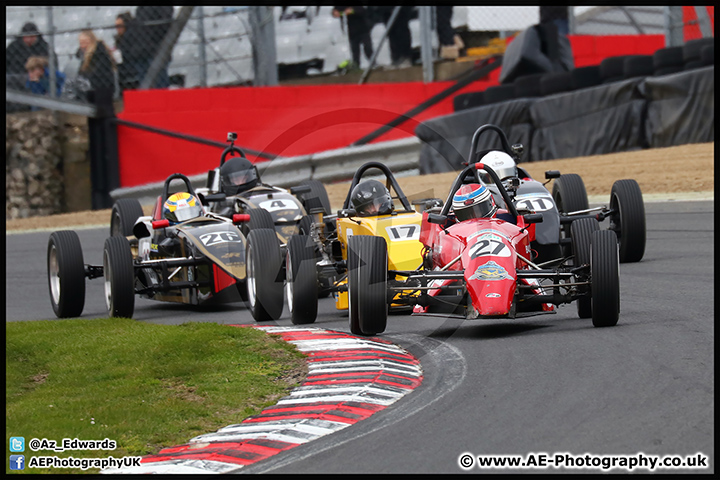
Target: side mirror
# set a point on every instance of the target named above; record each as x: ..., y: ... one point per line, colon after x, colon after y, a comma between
x: 215, y: 197
x: 437, y: 219
x: 517, y: 149
x: 157, y: 224
x: 300, y: 189
x: 240, y: 218
x: 550, y: 174
x: 533, y: 218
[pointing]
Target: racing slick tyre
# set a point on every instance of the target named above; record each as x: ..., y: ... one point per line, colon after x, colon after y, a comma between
x: 259, y: 218
x: 628, y: 221
x: 570, y: 195
x: 119, y: 274
x: 264, y: 281
x: 317, y: 196
x: 367, y: 283
x: 581, y: 231
x: 301, y: 286
x: 125, y: 213
x: 66, y: 274
x: 605, y: 283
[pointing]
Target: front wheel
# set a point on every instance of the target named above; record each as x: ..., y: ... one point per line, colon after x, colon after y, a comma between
x: 605, y: 271
x: 301, y: 286
x: 66, y: 274
x: 264, y: 284
x: 367, y: 283
x: 119, y: 274
x: 628, y: 221
x: 581, y: 231
x: 125, y: 213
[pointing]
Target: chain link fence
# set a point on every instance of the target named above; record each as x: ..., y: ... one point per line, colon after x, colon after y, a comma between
x: 81, y: 49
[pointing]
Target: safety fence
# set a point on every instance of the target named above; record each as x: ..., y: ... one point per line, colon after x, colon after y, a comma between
x: 79, y: 49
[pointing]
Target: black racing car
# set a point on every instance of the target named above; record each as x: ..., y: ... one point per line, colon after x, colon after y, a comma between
x: 202, y: 259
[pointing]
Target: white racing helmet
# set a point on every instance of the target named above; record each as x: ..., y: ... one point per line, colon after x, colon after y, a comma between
x: 501, y: 162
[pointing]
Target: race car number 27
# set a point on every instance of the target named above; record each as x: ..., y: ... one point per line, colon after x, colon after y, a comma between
x: 489, y: 246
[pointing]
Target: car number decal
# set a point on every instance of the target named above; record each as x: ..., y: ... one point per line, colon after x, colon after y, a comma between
x: 210, y: 239
x: 277, y: 204
x: 403, y: 232
x: 535, y: 203
x: 489, y: 245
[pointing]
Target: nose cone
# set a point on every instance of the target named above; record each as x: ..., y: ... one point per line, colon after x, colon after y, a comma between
x: 491, y: 288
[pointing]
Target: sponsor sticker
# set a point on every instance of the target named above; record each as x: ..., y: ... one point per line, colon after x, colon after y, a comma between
x: 490, y: 271
x: 493, y: 295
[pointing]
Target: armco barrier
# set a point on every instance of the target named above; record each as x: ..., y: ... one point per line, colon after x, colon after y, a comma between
x: 329, y: 166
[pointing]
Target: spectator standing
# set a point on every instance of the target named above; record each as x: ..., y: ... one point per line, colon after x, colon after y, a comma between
x: 97, y: 64
x: 450, y: 43
x: 399, y: 35
x: 151, y: 24
x: 38, y: 81
x: 557, y: 15
x: 358, y: 31
x: 28, y: 44
x: 124, y: 54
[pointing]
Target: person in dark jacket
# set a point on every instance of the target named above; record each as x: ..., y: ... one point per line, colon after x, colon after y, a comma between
x: 557, y: 15
x: 28, y: 44
x: 150, y: 26
x: 399, y: 37
x: 97, y: 64
x: 127, y: 66
x: 358, y: 31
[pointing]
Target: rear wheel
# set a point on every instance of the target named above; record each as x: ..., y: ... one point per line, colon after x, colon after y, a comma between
x: 66, y: 274
x: 368, y: 283
x: 581, y: 231
x: 605, y: 271
x: 125, y: 213
x: 119, y: 274
x: 316, y: 197
x: 628, y: 221
x: 570, y: 195
x: 301, y: 286
x: 264, y: 282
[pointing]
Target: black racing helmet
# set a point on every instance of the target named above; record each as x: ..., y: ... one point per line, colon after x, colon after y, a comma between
x: 371, y: 198
x: 237, y: 175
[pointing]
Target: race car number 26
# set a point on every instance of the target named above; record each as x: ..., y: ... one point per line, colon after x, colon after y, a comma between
x: 210, y: 239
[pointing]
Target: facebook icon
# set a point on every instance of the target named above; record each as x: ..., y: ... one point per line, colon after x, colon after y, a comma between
x: 17, y: 462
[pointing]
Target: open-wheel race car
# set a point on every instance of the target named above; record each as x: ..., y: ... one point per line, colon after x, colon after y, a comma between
x: 478, y: 265
x: 567, y: 203
x: 318, y: 263
x: 235, y: 187
x: 180, y: 253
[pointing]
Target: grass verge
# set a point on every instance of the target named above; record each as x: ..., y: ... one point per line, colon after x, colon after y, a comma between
x: 146, y: 386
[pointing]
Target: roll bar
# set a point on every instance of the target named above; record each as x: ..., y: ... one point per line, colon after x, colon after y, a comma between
x: 390, y: 179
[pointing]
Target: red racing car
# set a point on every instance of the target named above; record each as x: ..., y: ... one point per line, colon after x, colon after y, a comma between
x: 478, y: 264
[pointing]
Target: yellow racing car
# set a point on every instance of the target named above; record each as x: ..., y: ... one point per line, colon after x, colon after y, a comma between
x: 318, y: 263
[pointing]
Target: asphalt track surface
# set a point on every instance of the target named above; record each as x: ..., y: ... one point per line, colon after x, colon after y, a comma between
x: 548, y: 384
